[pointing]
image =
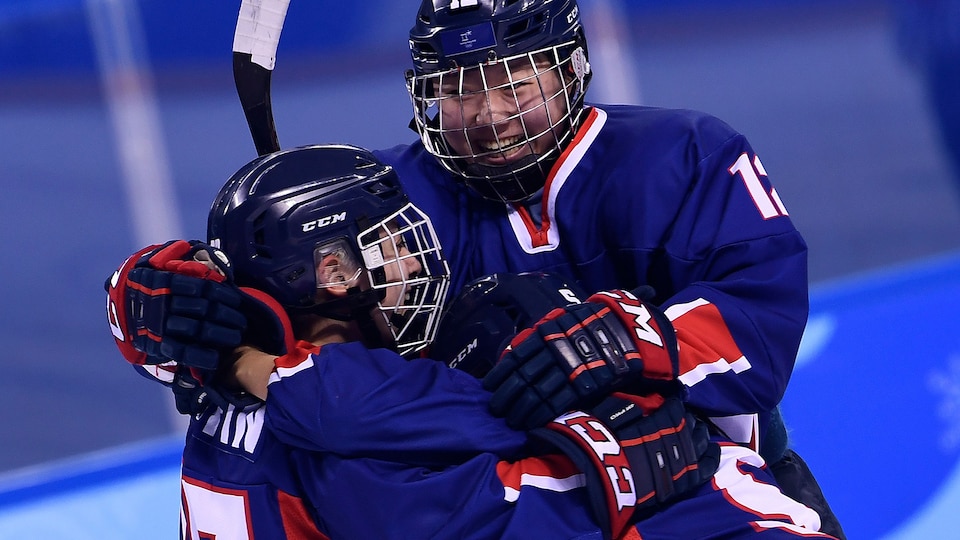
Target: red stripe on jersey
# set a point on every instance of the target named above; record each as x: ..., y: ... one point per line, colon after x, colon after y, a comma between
x: 295, y: 357
x: 704, y: 338
x: 297, y: 523
x: 551, y: 466
x: 539, y: 235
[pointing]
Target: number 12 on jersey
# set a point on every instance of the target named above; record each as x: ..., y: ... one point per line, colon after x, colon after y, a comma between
x: 769, y: 204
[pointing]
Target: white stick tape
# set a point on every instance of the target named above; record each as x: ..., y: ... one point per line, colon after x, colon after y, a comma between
x: 258, y: 30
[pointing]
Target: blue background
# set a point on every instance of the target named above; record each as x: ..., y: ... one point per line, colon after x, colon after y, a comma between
x: 820, y: 88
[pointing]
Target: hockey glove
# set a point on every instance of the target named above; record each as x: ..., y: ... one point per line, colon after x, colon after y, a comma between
x: 634, y: 459
x: 195, y: 389
x: 175, y: 302
x: 577, y: 355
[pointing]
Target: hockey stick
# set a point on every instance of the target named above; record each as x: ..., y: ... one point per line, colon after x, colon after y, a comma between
x: 254, y: 55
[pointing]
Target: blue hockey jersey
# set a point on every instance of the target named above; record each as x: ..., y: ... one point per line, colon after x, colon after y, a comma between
x: 673, y: 199
x: 362, y: 444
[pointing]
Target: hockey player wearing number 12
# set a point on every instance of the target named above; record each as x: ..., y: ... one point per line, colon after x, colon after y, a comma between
x: 520, y: 173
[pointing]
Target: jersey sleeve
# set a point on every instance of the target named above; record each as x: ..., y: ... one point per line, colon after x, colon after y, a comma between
x: 734, y: 269
x: 688, y: 208
x: 357, y: 402
x: 483, y: 497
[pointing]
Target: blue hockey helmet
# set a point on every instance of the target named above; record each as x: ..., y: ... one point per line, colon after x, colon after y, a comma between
x: 297, y: 222
x: 489, y: 311
x: 479, y: 50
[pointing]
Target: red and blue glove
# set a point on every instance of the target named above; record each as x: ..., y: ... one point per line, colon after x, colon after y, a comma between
x: 575, y: 356
x: 637, y: 454
x: 175, y: 301
x: 176, y: 315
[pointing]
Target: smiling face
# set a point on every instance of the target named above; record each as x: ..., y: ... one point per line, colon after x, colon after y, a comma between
x: 500, y: 126
x: 498, y: 114
x: 405, y: 268
x: 399, y: 267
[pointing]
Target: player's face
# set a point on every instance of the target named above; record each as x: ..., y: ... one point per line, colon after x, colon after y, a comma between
x: 398, y: 267
x: 502, y: 112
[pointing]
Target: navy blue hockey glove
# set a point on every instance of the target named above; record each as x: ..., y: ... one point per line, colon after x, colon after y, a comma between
x: 175, y: 302
x: 635, y: 458
x: 576, y: 355
x: 196, y: 389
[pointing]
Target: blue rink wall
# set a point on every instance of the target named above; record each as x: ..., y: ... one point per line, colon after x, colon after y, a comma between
x: 887, y: 454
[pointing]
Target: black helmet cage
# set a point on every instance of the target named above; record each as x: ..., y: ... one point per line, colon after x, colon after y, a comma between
x: 280, y: 215
x: 453, y: 40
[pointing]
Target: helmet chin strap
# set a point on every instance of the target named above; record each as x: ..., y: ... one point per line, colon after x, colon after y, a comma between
x: 501, y: 183
x: 372, y: 335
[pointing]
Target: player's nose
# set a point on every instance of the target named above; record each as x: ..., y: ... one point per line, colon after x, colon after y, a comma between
x: 496, y: 106
x: 412, y: 266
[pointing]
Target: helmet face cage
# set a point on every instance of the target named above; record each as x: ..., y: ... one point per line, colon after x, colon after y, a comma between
x: 405, y: 267
x: 465, y: 116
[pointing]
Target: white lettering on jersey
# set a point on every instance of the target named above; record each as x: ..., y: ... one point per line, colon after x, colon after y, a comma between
x: 209, y: 511
x: 769, y: 204
x: 722, y: 365
x: 744, y: 490
x: 237, y: 429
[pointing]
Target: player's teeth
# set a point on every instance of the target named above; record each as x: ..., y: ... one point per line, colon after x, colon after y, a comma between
x: 504, y: 143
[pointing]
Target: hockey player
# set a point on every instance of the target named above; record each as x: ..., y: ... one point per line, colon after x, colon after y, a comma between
x: 328, y: 233
x: 520, y: 173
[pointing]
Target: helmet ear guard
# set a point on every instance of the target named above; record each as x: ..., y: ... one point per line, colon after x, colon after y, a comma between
x: 489, y: 311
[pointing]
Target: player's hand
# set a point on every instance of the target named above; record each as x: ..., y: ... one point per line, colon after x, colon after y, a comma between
x: 669, y: 448
x: 198, y: 384
x: 242, y: 381
x: 575, y: 356
x: 175, y: 302
x: 637, y: 454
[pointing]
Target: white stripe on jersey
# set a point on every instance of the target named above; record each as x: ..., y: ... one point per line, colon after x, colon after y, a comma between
x: 283, y: 372
x: 548, y: 483
x: 566, y: 167
x: 722, y: 365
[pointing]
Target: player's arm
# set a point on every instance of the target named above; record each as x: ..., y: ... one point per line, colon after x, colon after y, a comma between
x: 349, y: 400
x: 587, y: 478
x: 740, y: 304
x: 366, y: 498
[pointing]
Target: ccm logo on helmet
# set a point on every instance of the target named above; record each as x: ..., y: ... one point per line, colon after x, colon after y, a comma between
x: 323, y: 222
x: 573, y: 15
x: 463, y: 353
